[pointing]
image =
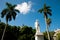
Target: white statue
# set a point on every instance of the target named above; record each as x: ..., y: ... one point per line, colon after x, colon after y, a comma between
x: 38, y: 34
x: 37, y: 27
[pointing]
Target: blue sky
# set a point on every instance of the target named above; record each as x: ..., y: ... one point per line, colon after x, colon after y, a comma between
x: 30, y: 16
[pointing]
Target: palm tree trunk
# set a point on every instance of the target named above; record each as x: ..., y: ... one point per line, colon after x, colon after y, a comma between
x: 47, y: 29
x: 4, y: 30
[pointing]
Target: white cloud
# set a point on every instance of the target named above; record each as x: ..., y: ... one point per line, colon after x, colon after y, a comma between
x: 24, y: 7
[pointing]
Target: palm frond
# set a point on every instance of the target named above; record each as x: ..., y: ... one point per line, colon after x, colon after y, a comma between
x: 40, y: 10
x: 49, y: 10
x: 14, y: 6
x: 7, y: 17
x: 4, y: 12
x: 48, y: 7
x: 8, y: 4
x: 14, y: 15
x: 10, y: 16
x: 17, y: 11
x: 48, y: 21
x: 49, y: 13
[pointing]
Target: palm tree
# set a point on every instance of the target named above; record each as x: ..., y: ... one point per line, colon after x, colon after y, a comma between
x: 9, y: 13
x: 46, y: 11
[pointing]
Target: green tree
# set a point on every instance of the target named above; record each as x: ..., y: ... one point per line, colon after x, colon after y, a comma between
x: 46, y: 10
x: 26, y: 33
x: 9, y: 13
x: 17, y: 32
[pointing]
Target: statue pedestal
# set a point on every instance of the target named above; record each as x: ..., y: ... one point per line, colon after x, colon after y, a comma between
x: 39, y: 36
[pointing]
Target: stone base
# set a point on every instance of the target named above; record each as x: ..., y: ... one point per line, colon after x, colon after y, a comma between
x: 39, y: 36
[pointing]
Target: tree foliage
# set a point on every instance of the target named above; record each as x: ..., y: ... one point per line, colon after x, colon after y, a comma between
x: 22, y: 33
x: 51, y: 33
x: 17, y: 32
x: 9, y: 12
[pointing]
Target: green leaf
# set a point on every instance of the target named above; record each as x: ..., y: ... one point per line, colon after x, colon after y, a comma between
x: 8, y: 4
x: 48, y: 7
x: 49, y: 13
x: 4, y: 12
x: 14, y: 15
x: 48, y: 21
x: 49, y: 10
x: 17, y: 11
x: 40, y: 10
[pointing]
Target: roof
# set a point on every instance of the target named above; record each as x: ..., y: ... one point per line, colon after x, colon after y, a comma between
x: 58, y: 30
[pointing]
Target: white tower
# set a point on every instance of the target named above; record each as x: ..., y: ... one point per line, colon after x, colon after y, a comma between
x: 38, y: 35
